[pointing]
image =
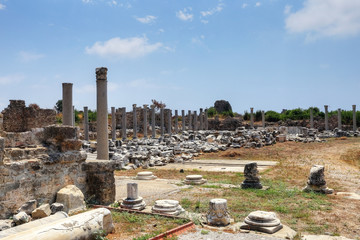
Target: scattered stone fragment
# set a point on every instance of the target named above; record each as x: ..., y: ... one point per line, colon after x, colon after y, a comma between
x: 170, y: 207
x: 28, y: 207
x: 262, y: 221
x: 194, y: 180
x: 42, y: 211
x: 145, y: 176
x: 316, y: 181
x: 218, y: 214
x: 252, y: 178
x: 72, y: 198
x: 21, y: 218
x: 133, y: 201
x: 56, y: 207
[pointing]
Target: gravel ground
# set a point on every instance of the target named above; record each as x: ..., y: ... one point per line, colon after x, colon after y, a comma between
x: 211, y: 235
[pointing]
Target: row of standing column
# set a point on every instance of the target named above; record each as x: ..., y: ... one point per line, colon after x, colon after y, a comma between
x: 164, y: 113
x: 311, y: 118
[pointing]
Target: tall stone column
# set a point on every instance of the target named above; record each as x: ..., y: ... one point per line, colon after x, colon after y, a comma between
x: 183, y: 120
x: 263, y: 118
x: 252, y: 117
x: 67, y: 104
x: 176, y: 122
x: 206, y: 119
x: 201, y: 119
x: 162, y: 122
x: 86, y: 124
x: 169, y: 121
x: 113, y: 124
x: 102, y: 114
x: 134, y: 122
x: 123, y: 123
x: 145, y: 120
x: 195, y: 121
x: 339, y: 118
x: 311, y: 118
x: 354, y: 117
x: 326, y: 117
x: 153, y: 129
x: 190, y: 117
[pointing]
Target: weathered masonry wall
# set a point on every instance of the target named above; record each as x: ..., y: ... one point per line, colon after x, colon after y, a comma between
x: 37, y: 164
x: 19, y: 118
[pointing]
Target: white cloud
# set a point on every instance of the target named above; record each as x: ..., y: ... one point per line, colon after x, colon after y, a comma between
x: 287, y: 9
x: 204, y: 21
x: 123, y: 47
x: 245, y: 5
x: 325, y: 18
x: 112, y: 3
x: 161, y: 30
x: 198, y: 40
x: 210, y: 12
x: 29, y: 56
x: 2, y: 6
x: 185, y: 14
x: 258, y: 4
x: 10, y: 79
x: 86, y: 1
x: 147, y: 19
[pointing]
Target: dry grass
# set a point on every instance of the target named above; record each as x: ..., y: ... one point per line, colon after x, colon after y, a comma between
x: 141, y: 227
x: 305, y: 212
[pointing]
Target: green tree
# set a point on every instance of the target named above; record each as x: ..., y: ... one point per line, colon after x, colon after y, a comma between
x: 58, y: 106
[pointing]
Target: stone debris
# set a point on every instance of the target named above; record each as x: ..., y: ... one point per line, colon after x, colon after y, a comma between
x: 252, y: 178
x: 80, y: 226
x: 145, y: 176
x: 21, y: 218
x: 28, y: 207
x: 169, y: 207
x: 262, y: 221
x: 218, y: 214
x: 182, y: 147
x: 33, y: 224
x: 133, y: 200
x: 56, y: 207
x: 72, y: 198
x: 316, y: 181
x: 41, y: 212
x: 194, y: 180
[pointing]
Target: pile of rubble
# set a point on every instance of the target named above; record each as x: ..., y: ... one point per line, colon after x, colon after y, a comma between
x: 148, y: 152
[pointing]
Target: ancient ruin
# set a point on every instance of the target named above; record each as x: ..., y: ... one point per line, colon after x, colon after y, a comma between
x: 262, y: 221
x: 218, y: 214
x: 316, y: 181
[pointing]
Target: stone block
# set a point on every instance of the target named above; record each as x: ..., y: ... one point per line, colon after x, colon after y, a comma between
x: 42, y: 211
x: 72, y: 198
x: 21, y: 218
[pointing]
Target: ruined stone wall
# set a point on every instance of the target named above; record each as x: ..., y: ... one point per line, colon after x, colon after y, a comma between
x: 19, y: 118
x: 37, y: 164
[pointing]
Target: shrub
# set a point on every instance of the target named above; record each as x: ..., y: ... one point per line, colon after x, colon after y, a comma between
x: 246, y: 116
x: 211, y: 112
x: 227, y: 114
x: 272, y: 116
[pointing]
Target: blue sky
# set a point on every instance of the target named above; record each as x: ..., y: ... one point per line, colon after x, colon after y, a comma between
x: 266, y: 54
